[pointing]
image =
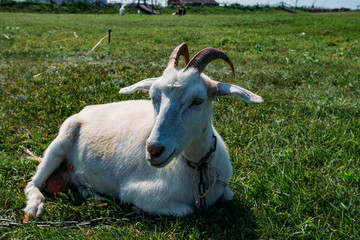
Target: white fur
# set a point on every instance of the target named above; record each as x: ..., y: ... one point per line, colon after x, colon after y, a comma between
x: 107, y: 145
x: 122, y: 10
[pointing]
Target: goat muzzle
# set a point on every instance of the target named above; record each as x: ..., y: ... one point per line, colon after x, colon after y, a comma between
x: 155, y: 150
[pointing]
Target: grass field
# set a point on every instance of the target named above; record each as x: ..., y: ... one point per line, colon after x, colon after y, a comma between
x: 295, y: 157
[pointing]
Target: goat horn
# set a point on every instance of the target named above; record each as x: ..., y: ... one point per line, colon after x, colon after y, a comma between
x: 181, y: 50
x: 205, y: 56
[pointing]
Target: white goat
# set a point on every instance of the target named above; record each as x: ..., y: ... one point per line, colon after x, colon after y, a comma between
x: 163, y: 156
x: 122, y: 10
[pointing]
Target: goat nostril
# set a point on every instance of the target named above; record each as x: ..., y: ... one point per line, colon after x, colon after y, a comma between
x: 155, y: 150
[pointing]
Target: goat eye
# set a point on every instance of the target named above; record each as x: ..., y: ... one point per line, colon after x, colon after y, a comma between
x: 197, y: 101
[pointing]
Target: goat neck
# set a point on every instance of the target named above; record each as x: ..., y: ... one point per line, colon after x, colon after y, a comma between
x: 195, y: 151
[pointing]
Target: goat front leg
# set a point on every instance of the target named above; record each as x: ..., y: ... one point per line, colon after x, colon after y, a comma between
x: 87, y: 192
x: 175, y: 209
x: 166, y: 209
x: 228, y: 194
x: 148, y: 197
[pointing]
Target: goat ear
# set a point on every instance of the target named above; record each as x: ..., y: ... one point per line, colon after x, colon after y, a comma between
x: 142, y: 85
x: 218, y: 89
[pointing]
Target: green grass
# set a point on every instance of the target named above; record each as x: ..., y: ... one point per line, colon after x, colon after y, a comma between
x: 83, y: 8
x: 295, y: 157
x: 36, y: 7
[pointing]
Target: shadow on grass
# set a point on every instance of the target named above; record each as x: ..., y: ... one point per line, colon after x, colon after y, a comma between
x: 230, y: 220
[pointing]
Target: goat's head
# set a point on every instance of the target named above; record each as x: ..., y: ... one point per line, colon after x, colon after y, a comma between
x: 182, y: 101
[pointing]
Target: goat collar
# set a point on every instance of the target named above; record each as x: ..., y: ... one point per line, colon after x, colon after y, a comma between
x: 204, y: 160
x: 202, y: 166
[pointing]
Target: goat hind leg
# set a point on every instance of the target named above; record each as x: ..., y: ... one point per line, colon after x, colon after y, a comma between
x: 53, y: 157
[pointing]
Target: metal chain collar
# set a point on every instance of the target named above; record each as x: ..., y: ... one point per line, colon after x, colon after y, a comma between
x: 201, y: 167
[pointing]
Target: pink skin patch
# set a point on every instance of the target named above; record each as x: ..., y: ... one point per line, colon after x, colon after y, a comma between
x: 60, y: 181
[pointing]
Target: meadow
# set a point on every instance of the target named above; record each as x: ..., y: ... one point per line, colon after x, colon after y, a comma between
x: 295, y: 157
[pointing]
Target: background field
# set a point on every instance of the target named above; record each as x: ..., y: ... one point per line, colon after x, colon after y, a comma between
x: 295, y: 157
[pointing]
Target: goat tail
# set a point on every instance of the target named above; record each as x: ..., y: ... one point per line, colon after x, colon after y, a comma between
x: 30, y: 155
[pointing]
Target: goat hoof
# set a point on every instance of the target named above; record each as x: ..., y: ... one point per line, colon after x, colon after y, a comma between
x: 136, y: 210
x: 26, y: 218
x: 228, y: 195
x: 101, y: 204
